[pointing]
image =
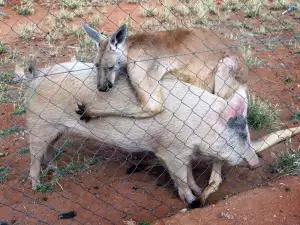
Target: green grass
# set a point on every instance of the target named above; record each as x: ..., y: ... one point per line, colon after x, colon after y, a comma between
x: 287, y: 79
x: 243, y: 25
x: 72, y: 4
x: 77, y: 32
x: 44, y: 188
x: 9, y: 131
x: 230, y: 5
x: 23, y: 151
x: 135, y: 1
x: 19, y: 111
x: 280, y: 4
x: 64, y: 15
x: 261, y: 30
x: 143, y: 223
x: 4, y: 100
x: 253, y: 8
x: 148, y: 11
x: 94, y: 22
x: 288, y: 163
x: 253, y: 61
x: 262, y: 115
x: 296, y: 115
x: 6, y: 76
x: 3, y: 174
x: 297, y: 52
x: 26, y: 32
x: 68, y: 143
x: 182, y: 9
x: 22, y: 11
x: 3, y: 48
x: 92, y: 161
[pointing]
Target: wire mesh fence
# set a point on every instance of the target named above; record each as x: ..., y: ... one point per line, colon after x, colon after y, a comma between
x: 145, y: 109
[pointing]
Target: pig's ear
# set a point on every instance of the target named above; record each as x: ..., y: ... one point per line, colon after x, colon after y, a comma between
x: 236, y: 106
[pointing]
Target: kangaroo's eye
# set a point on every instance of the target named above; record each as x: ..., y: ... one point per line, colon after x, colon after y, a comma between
x: 97, y: 65
x: 110, y: 68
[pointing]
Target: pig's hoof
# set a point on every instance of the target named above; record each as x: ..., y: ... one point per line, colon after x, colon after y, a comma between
x: 81, y: 111
x: 195, y: 204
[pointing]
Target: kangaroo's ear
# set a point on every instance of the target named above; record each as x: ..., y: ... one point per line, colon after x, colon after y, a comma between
x: 118, y: 37
x: 93, y: 34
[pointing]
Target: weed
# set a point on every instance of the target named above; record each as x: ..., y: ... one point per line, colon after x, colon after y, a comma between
x: 250, y: 60
x: 296, y: 115
x: 287, y: 188
x: 27, y: 7
x: 6, y: 76
x: 77, y: 32
x: 288, y: 163
x: 94, y: 22
x: 287, y: 79
x: 72, y: 4
x: 26, y: 31
x: 92, y: 161
x: 22, y: 11
x: 3, y: 174
x: 254, y: 7
x: 79, y: 12
x: 262, y: 115
x: 230, y: 5
x: 261, y: 30
x: 128, y: 23
x: 201, y: 10
x: 135, y: 1
x: 280, y: 4
x: 164, y: 15
x: 148, y: 12
x: 298, y: 52
x: 182, y: 9
x: 23, y: 151
x: 86, y: 49
x: 68, y: 143
x: 44, y: 187
x: 9, y: 131
x: 4, y: 100
x: 19, y: 111
x: 143, y: 223
x: 3, y: 48
x: 64, y: 15
x: 58, y: 152
x: 71, y: 168
x: 242, y: 25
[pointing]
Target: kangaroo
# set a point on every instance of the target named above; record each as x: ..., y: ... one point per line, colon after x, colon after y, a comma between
x: 196, y: 56
x: 193, y: 123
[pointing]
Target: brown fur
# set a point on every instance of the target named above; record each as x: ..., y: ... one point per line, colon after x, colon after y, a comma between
x: 195, y: 56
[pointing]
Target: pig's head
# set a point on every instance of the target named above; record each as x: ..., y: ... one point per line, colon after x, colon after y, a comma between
x: 233, y: 144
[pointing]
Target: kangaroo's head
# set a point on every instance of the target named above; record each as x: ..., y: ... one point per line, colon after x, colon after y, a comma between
x: 110, y: 57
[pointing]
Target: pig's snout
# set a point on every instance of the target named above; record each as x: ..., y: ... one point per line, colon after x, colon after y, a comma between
x: 251, y: 164
x: 253, y: 167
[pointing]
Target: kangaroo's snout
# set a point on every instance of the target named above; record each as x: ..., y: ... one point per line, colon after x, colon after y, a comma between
x: 105, y: 86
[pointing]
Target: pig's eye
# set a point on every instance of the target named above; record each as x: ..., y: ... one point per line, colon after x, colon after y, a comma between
x: 110, y: 68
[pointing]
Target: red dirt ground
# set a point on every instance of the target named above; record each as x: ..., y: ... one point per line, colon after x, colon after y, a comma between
x: 104, y: 194
x: 276, y: 204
